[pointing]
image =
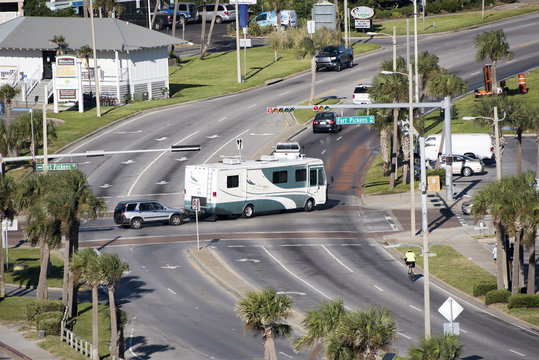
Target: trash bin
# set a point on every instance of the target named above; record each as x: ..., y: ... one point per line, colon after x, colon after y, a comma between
x: 433, y: 183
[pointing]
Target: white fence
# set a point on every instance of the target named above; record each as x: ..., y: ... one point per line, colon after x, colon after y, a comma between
x: 75, y: 341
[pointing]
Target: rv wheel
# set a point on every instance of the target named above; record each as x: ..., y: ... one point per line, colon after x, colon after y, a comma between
x: 248, y: 211
x: 309, y: 205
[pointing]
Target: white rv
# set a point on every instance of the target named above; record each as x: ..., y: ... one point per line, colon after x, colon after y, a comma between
x: 477, y: 146
x: 244, y: 188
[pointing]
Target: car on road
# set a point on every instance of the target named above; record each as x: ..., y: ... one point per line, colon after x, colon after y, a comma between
x: 335, y: 58
x: 326, y: 121
x: 225, y: 12
x: 135, y: 213
x: 464, y: 165
x: 361, y: 94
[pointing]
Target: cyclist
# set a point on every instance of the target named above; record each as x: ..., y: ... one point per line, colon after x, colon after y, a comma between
x: 409, y: 260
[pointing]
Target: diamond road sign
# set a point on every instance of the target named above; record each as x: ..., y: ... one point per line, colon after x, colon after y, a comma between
x: 57, y: 166
x: 352, y: 120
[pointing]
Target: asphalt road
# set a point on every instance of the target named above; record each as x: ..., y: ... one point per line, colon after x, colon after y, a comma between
x: 175, y: 312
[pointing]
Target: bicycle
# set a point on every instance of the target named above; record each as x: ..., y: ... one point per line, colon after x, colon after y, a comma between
x: 411, y: 275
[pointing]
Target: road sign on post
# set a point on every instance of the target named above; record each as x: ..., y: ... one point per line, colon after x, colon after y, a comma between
x: 353, y: 120
x: 57, y: 166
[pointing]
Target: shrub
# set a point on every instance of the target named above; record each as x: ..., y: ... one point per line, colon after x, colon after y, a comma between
x: 42, y: 306
x: 523, y: 301
x: 497, y: 296
x: 305, y: 47
x: 450, y: 6
x: 51, y: 326
x: 483, y: 288
x: 324, y: 37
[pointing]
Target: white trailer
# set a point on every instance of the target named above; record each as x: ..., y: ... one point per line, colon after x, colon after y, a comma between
x: 234, y: 187
x: 477, y: 146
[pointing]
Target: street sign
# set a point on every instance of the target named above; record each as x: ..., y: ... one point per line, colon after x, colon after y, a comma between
x: 57, y: 166
x: 362, y: 23
x: 450, y: 309
x: 244, y: 2
x: 195, y: 203
x: 12, y: 225
x: 245, y: 42
x: 451, y: 328
x: 352, y: 120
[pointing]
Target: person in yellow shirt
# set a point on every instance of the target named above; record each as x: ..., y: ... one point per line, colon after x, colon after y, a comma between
x: 409, y: 260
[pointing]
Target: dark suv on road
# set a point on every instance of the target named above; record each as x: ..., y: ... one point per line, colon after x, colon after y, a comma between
x: 134, y: 213
x: 326, y: 121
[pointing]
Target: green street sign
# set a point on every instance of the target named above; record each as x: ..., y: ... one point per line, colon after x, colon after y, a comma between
x: 354, y: 120
x: 57, y: 166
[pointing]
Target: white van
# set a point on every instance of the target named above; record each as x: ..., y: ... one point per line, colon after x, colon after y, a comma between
x: 477, y: 146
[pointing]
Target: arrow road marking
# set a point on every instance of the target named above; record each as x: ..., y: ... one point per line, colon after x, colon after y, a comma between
x: 170, y: 267
x: 161, y: 139
x: 182, y: 159
x: 212, y: 136
x: 291, y: 292
x: 245, y: 260
x: 105, y: 186
x: 162, y: 182
x: 128, y: 162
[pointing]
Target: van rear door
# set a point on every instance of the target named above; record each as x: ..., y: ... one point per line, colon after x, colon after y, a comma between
x: 317, y: 184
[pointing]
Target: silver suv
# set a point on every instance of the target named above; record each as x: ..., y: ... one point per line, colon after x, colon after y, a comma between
x: 137, y: 212
x: 225, y: 12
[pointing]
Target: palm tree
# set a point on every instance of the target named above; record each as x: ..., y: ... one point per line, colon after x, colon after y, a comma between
x: 7, y: 94
x: 212, y: 24
x: 361, y: 334
x: 263, y: 313
x: 60, y: 42
x: 203, y: 28
x: 7, y: 211
x: 492, y: 45
x: 391, y: 88
x: 487, y: 201
x: 86, y: 269
x: 85, y: 52
x: 319, y: 323
x: 446, y: 347
x: 112, y: 270
x: 382, y: 125
x: 75, y: 202
x: 524, y: 119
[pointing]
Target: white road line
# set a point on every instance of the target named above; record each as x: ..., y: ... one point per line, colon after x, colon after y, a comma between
x: 153, y: 161
x: 131, y: 343
x: 323, y: 152
x: 415, y: 308
x: 288, y: 356
x: 379, y: 288
x: 225, y: 144
x: 516, y: 352
x: 286, y: 92
x: 223, y: 118
x: 339, y: 138
x: 339, y: 261
x: 404, y: 336
x: 236, y: 246
x: 250, y: 106
x: 172, y: 291
x: 297, y: 277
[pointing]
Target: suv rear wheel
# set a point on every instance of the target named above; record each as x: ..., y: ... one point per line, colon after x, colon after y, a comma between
x: 219, y: 20
x: 136, y: 223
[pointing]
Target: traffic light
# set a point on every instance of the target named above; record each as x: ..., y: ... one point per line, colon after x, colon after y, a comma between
x: 321, y: 108
x: 280, y: 109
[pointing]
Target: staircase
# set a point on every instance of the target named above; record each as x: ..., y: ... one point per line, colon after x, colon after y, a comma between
x: 36, y: 96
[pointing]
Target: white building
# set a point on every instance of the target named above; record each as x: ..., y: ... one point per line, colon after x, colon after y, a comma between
x: 131, y: 59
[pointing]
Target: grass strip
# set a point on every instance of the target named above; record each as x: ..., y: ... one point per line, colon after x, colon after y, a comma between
x: 30, y: 278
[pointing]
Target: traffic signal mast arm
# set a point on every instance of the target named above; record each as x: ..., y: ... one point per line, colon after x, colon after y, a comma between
x: 292, y: 108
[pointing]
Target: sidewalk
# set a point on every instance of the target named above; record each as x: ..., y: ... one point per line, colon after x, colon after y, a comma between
x: 15, y: 346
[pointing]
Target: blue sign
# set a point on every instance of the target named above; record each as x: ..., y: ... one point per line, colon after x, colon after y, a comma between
x: 243, y: 15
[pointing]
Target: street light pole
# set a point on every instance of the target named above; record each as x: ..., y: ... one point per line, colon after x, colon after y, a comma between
x: 96, y: 68
x: 425, y: 230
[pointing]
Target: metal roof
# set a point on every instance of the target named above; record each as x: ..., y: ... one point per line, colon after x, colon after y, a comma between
x: 35, y: 32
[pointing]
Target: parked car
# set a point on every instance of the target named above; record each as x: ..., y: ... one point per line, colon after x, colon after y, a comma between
x: 464, y: 165
x: 225, y: 12
x: 326, y: 121
x: 361, y: 94
x: 135, y: 213
x: 140, y: 17
x: 186, y: 11
x: 288, y: 19
x: 335, y: 58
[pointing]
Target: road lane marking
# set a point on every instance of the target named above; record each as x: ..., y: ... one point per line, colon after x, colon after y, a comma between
x: 379, y: 288
x: 172, y: 291
x: 286, y: 92
x: 131, y: 343
x: 404, y: 336
x: 516, y: 352
x: 339, y: 138
x: 415, y: 308
x: 323, y: 152
x: 153, y: 162
x: 297, y: 277
x: 334, y: 257
x: 288, y: 356
x: 221, y: 119
x: 251, y: 106
x: 225, y: 144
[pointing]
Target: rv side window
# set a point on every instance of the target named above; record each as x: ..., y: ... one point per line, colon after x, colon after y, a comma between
x: 232, y: 181
x: 321, y: 177
x: 312, y: 177
x: 280, y: 177
x: 301, y: 175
